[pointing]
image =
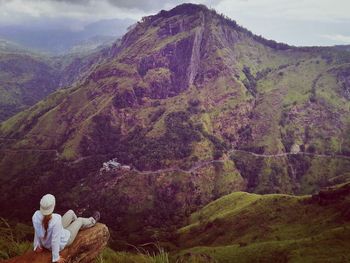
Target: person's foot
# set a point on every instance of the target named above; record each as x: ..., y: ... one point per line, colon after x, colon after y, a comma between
x: 96, y: 216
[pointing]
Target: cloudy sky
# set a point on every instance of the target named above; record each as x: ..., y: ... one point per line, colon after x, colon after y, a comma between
x: 298, y: 22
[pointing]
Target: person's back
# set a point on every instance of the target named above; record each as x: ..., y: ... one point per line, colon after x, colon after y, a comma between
x: 56, y: 236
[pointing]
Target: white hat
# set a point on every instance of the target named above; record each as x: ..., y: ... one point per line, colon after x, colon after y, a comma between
x: 47, y: 204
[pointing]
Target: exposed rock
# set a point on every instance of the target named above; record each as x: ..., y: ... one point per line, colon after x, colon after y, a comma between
x: 195, y: 57
x: 295, y: 148
x: 85, y: 248
x: 180, y: 63
x: 180, y: 58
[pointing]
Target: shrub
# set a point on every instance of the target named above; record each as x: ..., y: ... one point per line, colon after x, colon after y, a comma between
x: 124, y: 99
x: 194, y: 102
x: 193, y: 106
x: 311, y: 149
x: 217, y: 154
x: 245, y: 133
x: 12, y: 241
x: 284, y: 119
x: 288, y: 140
x: 157, y: 114
x: 155, y: 103
x: 250, y: 81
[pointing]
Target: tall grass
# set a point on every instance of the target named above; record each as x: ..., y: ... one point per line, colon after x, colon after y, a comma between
x: 141, y: 256
x: 160, y: 257
x: 11, y: 243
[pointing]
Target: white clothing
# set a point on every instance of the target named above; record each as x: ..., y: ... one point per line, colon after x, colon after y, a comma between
x: 57, y: 237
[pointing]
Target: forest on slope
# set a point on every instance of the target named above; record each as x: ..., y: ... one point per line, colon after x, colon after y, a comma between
x: 199, y: 106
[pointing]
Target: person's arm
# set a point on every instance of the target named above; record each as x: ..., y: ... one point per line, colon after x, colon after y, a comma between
x: 37, y: 244
x: 55, y: 242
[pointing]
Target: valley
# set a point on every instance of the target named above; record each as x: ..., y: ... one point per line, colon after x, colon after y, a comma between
x: 236, y: 142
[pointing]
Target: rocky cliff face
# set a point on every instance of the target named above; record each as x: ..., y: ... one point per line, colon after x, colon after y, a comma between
x: 88, y: 244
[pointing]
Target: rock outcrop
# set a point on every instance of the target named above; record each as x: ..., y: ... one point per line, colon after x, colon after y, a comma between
x: 85, y: 248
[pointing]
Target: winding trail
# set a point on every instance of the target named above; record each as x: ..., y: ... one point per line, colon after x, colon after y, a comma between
x: 289, y: 153
x: 196, y: 165
x: 201, y: 164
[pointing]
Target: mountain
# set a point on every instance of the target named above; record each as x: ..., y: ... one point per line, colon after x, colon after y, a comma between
x: 93, y: 43
x: 11, y: 47
x: 199, y: 107
x: 56, y: 36
x: 28, y: 77
x: 25, y: 78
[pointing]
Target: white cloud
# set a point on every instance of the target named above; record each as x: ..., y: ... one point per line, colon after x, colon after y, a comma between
x: 18, y: 11
x: 322, y: 10
x: 338, y: 38
x: 315, y: 10
x: 299, y: 22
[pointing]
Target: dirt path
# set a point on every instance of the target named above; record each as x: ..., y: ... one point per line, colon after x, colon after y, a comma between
x: 201, y: 164
x: 289, y: 153
x: 196, y: 165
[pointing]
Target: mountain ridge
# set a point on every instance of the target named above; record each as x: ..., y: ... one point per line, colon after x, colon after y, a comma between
x: 181, y: 87
x: 57, y: 36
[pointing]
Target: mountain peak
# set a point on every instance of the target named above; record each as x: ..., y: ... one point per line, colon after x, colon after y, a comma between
x: 182, y: 9
x: 200, y: 10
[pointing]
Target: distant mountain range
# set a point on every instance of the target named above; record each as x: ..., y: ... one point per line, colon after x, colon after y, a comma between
x: 56, y: 37
x: 28, y: 76
x: 34, y: 58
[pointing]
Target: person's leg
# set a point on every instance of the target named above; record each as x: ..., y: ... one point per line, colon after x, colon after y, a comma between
x: 68, y: 218
x: 79, y: 223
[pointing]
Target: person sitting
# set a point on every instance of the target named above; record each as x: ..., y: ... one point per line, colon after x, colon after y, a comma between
x: 53, y: 232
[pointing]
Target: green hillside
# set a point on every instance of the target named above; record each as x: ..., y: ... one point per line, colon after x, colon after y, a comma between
x: 199, y: 107
x: 240, y: 227
x: 25, y: 79
x: 243, y: 227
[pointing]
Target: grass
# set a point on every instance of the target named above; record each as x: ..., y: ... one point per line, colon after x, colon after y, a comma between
x: 24, y: 80
x: 141, y: 256
x: 243, y: 227
x: 322, y: 171
x: 332, y: 246
x: 13, y: 243
x: 12, y: 239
